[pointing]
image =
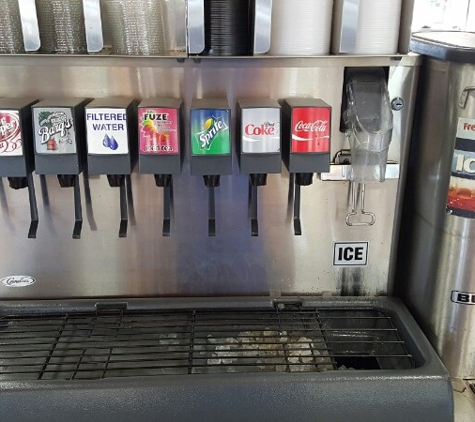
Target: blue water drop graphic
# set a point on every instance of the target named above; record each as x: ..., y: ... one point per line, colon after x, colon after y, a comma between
x: 106, y: 141
x: 113, y: 144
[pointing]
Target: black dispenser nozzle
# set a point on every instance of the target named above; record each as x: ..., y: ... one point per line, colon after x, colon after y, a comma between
x: 258, y: 179
x: 304, y: 179
x: 212, y: 181
x: 67, y: 180
x: 18, y: 183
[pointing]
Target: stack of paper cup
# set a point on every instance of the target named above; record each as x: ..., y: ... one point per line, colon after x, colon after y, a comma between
x: 376, y: 29
x: 301, y: 27
x: 138, y: 27
x: 61, y: 24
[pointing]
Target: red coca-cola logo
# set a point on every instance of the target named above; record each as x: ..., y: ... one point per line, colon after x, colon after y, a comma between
x: 265, y: 129
x: 10, y: 132
x: 311, y: 129
x: 316, y: 126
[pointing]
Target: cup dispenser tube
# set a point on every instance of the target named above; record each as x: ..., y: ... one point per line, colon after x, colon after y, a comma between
x: 369, y: 123
x: 111, y: 147
x: 160, y: 132
x: 210, y: 139
x: 16, y: 155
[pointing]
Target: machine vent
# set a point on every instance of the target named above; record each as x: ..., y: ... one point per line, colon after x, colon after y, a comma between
x: 120, y: 343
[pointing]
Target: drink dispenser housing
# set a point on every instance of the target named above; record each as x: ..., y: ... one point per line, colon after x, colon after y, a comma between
x: 59, y: 146
x: 111, y: 136
x: 307, y: 131
x: 210, y: 138
x: 160, y: 136
x: 259, y: 137
x: 16, y: 144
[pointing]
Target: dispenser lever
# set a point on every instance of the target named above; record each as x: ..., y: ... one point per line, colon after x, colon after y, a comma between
x: 167, y: 199
x: 254, y: 222
x: 354, y: 205
x: 297, y: 224
x: 77, y: 209
x: 124, y: 219
x: 33, y: 208
x: 211, y: 213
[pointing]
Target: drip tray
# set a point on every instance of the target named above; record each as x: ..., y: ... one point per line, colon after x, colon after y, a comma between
x: 218, y: 359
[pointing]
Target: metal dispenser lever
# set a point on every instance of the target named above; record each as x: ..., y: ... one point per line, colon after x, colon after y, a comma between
x: 355, y: 188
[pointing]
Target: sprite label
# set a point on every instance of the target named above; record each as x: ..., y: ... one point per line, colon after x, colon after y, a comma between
x: 210, y: 133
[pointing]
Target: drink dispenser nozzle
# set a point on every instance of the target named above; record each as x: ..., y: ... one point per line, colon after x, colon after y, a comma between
x: 369, y: 123
x: 306, y: 146
x: 259, y: 141
x: 111, y: 147
x: 160, y: 130
x: 210, y: 139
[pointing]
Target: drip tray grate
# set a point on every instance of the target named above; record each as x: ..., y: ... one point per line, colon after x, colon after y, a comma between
x: 120, y: 343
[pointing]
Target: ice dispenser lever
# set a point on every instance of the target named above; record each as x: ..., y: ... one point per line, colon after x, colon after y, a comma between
x: 369, y: 124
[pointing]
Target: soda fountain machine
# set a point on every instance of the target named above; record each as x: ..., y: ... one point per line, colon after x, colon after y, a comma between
x: 213, y: 323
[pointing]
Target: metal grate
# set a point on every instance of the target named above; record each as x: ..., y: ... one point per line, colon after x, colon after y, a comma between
x: 119, y: 343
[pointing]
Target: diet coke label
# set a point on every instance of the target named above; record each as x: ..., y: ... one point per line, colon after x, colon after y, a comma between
x: 260, y: 130
x: 311, y: 129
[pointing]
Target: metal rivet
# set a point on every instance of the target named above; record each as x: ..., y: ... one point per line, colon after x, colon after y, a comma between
x: 397, y: 104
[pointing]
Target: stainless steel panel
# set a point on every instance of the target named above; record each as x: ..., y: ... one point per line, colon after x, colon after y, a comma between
x: 189, y: 262
x: 438, y: 254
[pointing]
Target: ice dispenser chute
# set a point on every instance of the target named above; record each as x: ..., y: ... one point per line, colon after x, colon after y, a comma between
x: 369, y: 122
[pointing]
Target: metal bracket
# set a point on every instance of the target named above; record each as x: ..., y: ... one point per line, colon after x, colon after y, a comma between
x: 196, y: 26
x: 93, y: 25
x: 464, y: 97
x: 29, y: 25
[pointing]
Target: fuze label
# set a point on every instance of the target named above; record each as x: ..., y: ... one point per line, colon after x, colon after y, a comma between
x: 10, y: 134
x: 158, y: 131
x: 107, y: 131
x: 54, y: 131
x: 210, y: 132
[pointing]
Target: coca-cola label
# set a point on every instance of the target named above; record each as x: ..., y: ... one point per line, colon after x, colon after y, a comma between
x: 260, y: 130
x: 10, y: 134
x: 159, y: 131
x: 311, y: 129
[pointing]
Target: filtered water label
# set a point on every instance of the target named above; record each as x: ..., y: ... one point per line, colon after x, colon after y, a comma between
x: 311, y: 129
x: 260, y: 130
x: 461, y: 195
x: 210, y: 133
x: 159, y: 131
x: 107, y: 131
x: 10, y: 134
x: 54, y: 131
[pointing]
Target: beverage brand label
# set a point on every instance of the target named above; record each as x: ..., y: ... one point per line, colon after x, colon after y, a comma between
x: 54, y: 131
x: 10, y: 134
x: 107, y: 131
x: 159, y: 131
x: 311, y: 129
x: 461, y: 196
x: 260, y: 130
x: 210, y: 133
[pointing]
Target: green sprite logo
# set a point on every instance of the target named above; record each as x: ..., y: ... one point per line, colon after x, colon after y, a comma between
x: 212, y: 128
